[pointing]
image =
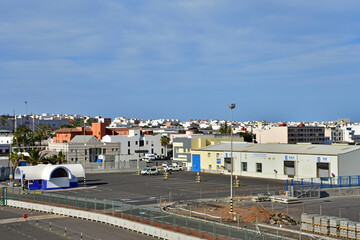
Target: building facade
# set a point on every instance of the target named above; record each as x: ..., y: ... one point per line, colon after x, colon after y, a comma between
x: 279, y: 161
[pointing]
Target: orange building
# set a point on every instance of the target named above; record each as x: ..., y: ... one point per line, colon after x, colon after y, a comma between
x: 66, y: 134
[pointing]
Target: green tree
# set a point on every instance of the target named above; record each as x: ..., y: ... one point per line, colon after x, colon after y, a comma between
x: 248, y: 137
x: 224, y: 128
x: 15, y: 156
x: 35, y: 156
x: 4, y: 120
x: 164, y: 142
x: 22, y: 136
x: 88, y: 122
x: 42, y: 132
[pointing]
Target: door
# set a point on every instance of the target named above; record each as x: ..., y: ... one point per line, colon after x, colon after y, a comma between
x: 289, y: 168
x: 323, y: 170
x: 196, y: 162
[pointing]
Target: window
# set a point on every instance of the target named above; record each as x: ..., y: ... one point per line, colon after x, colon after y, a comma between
x: 136, y: 142
x: 210, y: 166
x: 71, y: 150
x: 128, y: 143
x: 244, y: 166
x: 259, y: 167
x: 128, y: 151
x: 104, y: 151
x: 147, y: 142
x: 209, y: 154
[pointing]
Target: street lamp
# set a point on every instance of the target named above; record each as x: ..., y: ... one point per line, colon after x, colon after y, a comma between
x: 231, y: 106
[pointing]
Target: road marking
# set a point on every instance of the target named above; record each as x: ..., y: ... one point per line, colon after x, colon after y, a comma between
x: 31, y: 218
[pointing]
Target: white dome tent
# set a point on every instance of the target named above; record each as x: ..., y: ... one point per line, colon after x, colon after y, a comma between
x: 49, y: 177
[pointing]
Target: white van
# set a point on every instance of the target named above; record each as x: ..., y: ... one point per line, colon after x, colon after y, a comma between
x: 149, y: 157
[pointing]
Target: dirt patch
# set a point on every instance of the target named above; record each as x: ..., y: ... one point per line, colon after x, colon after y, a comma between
x: 221, y: 213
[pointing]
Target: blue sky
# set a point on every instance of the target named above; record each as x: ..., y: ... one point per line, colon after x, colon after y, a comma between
x: 277, y: 60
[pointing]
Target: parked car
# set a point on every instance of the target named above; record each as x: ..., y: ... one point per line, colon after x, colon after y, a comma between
x: 145, y: 171
x: 154, y: 171
x: 175, y: 168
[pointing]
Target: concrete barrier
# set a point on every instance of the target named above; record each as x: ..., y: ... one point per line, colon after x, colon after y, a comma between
x: 118, y: 222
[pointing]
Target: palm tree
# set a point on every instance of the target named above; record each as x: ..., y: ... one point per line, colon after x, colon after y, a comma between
x: 3, y: 120
x: 15, y: 156
x: 21, y: 136
x: 43, y: 132
x: 35, y: 156
x: 164, y: 142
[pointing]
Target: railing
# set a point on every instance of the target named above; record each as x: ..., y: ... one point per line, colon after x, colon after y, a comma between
x: 330, y: 182
x: 151, y: 216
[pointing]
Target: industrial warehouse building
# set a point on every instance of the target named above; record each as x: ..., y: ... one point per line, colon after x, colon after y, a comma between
x: 279, y: 161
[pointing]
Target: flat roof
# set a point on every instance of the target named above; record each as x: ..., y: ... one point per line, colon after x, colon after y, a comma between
x: 314, y: 149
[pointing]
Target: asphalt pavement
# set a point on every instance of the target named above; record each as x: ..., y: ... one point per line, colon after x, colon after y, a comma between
x: 40, y: 226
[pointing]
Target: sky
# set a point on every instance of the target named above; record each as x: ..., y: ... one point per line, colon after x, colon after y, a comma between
x: 276, y: 60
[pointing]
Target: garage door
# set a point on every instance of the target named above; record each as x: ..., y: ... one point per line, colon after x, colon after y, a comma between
x: 196, y: 162
x: 323, y: 170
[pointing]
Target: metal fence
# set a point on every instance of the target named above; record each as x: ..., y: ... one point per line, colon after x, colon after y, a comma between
x: 319, y: 187
x: 330, y: 182
x: 152, y: 216
x: 122, y: 166
x: 4, y: 173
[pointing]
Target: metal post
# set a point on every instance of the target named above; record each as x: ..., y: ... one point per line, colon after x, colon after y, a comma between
x: 187, y: 225
x: 113, y: 210
x: 85, y: 203
x: 57, y: 199
x: 50, y: 226
x: 174, y: 222
x: 121, y: 209
x: 104, y: 206
x: 232, y: 106
x: 246, y: 233
x: 200, y: 233
x: 95, y: 204
x: 65, y: 232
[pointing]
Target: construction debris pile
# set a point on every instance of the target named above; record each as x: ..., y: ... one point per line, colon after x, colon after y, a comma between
x: 281, y: 219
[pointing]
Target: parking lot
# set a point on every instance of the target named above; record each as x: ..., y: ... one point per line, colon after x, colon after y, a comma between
x: 145, y: 190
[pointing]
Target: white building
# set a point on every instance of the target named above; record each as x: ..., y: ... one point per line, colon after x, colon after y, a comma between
x: 280, y: 161
x: 136, y: 141
x: 49, y: 176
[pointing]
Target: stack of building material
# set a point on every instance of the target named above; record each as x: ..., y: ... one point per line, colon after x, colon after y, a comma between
x: 325, y: 225
x: 344, y: 228
x: 352, y: 230
x: 307, y: 222
x: 335, y: 226
x: 317, y: 224
x: 358, y: 231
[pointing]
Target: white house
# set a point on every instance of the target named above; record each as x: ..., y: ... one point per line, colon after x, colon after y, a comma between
x: 136, y: 141
x: 49, y: 176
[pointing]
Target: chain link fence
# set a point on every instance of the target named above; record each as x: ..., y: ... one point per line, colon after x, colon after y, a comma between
x: 153, y: 216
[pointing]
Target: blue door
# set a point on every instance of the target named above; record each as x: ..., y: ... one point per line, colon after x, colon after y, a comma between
x: 196, y: 162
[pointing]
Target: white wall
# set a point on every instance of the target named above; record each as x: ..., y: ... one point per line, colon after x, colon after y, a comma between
x: 305, y: 165
x: 349, y: 164
x: 151, y: 143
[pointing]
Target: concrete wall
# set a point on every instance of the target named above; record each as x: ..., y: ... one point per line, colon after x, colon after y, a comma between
x: 118, y: 222
x: 349, y: 164
x: 272, y: 135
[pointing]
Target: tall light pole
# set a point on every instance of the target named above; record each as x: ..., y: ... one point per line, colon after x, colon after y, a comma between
x: 231, y: 106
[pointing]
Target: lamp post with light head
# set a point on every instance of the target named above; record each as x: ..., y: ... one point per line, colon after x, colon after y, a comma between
x: 231, y: 106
